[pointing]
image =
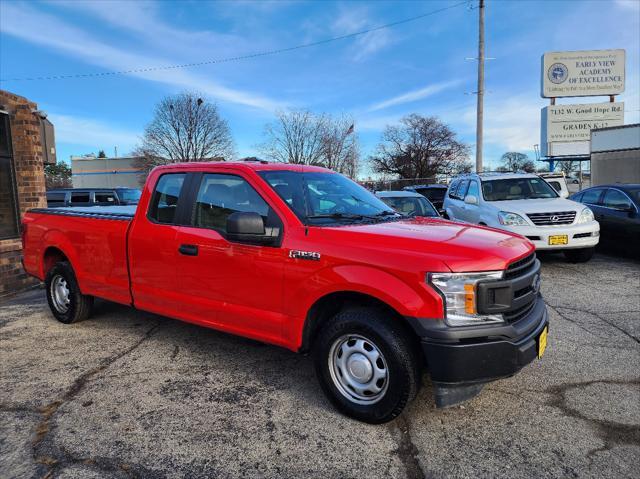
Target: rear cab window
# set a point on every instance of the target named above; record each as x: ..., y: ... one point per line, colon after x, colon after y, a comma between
x: 164, y: 202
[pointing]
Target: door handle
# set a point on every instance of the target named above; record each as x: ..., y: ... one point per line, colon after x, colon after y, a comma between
x: 188, y: 249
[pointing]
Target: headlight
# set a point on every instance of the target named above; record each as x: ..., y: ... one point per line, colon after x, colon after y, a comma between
x: 458, y: 291
x: 586, y: 216
x: 511, y: 219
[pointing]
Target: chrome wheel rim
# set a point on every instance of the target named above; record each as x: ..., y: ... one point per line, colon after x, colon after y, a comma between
x: 358, y: 369
x: 60, y: 294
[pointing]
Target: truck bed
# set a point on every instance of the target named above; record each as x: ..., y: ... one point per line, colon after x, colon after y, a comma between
x: 93, y: 238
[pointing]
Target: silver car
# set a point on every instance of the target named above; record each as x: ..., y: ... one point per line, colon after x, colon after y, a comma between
x: 408, y: 203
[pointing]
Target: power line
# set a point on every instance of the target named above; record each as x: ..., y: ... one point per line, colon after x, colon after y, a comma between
x: 241, y: 57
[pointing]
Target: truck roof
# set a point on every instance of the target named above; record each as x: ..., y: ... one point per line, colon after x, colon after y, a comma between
x: 244, y: 165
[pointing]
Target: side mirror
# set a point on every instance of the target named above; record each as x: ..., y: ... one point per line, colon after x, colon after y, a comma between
x: 563, y: 194
x: 471, y: 200
x: 247, y: 227
x: 442, y: 212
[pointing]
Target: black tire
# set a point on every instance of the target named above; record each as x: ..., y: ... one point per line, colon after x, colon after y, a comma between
x: 581, y: 255
x: 399, y: 354
x: 78, y: 305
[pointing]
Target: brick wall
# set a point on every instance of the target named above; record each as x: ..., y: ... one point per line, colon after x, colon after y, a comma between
x: 29, y: 170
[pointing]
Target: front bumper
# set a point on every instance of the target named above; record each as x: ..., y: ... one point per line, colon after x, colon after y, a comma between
x: 583, y: 235
x: 462, y: 359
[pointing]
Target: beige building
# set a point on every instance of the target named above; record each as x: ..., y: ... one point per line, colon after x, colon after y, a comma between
x: 615, y: 155
x: 92, y: 172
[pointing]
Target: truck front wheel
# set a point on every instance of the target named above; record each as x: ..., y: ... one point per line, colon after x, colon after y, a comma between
x: 67, y: 303
x: 367, y: 364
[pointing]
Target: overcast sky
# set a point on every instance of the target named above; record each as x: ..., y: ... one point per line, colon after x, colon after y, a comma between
x: 416, y: 67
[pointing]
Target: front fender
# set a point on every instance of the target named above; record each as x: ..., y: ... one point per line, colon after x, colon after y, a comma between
x: 415, y: 300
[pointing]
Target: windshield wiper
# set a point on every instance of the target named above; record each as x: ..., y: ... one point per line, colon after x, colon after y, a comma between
x: 384, y: 213
x: 337, y: 216
x: 352, y: 216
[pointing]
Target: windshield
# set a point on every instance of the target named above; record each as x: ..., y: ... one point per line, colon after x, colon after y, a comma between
x: 411, y: 206
x: 326, y: 198
x: 129, y: 195
x: 517, y: 189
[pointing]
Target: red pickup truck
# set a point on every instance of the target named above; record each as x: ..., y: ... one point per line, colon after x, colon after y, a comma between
x: 304, y: 258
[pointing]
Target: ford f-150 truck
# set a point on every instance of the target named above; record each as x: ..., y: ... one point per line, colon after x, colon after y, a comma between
x: 304, y: 258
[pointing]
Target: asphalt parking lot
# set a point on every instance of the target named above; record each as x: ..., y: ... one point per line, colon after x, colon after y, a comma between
x: 130, y: 394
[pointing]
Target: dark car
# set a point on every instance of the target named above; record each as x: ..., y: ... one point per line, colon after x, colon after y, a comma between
x: 92, y: 197
x: 616, y: 207
x: 434, y: 193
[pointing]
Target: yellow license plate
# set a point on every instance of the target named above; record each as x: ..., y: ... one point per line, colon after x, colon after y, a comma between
x: 558, y: 239
x: 542, y: 341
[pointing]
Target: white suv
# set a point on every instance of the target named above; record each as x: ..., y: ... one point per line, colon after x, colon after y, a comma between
x: 524, y: 204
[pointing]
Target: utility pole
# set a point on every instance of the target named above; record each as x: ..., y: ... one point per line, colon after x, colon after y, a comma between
x: 480, y: 108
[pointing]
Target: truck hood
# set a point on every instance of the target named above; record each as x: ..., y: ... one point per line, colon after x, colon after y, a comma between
x: 461, y: 247
x: 541, y: 205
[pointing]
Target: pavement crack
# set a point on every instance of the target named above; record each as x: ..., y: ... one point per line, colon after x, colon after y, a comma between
x: 555, y: 307
x: 174, y: 354
x: 407, y: 450
x: 47, y: 412
x: 18, y: 408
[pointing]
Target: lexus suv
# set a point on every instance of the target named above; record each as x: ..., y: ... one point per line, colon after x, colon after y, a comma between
x: 525, y: 204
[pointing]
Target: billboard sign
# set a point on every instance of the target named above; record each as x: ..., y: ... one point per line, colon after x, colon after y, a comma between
x: 583, y: 73
x: 566, y: 123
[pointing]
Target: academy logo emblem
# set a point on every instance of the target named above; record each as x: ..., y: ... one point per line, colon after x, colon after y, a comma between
x: 558, y: 73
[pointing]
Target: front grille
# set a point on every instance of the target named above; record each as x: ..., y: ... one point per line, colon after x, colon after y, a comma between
x: 520, y: 267
x: 515, y: 295
x: 552, y: 219
x: 513, y: 316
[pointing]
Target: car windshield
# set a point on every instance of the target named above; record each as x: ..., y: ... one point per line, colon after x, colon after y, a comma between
x: 130, y: 195
x: 327, y: 198
x: 411, y: 205
x: 517, y: 189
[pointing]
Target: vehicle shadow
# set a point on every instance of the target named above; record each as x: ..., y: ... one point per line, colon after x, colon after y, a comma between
x: 188, y: 356
x: 195, y: 351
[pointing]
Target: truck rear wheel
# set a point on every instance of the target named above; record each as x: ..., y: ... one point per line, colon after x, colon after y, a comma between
x: 581, y: 255
x: 67, y: 303
x: 367, y: 365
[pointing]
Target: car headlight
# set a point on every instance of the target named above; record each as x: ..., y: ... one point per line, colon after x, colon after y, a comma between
x: 458, y: 291
x: 586, y: 216
x: 511, y: 219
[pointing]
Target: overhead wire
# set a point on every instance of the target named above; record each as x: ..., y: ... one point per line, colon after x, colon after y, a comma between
x: 239, y: 57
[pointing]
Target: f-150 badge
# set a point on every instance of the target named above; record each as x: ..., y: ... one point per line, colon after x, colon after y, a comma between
x: 310, y: 255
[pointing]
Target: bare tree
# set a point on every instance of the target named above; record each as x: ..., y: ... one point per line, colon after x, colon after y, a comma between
x: 421, y: 147
x: 340, y: 148
x: 302, y: 137
x: 568, y: 167
x: 296, y: 136
x: 515, y: 161
x: 184, y: 128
